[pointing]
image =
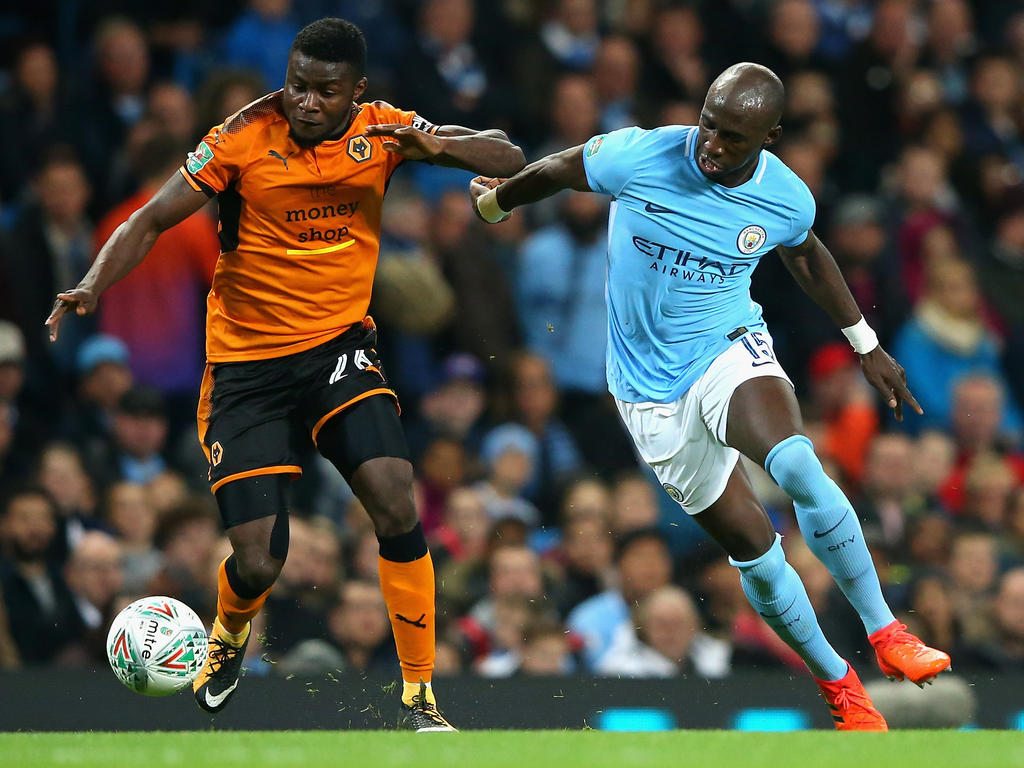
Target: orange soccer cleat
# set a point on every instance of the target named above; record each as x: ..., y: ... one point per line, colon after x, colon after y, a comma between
x: 902, y: 655
x: 851, y: 707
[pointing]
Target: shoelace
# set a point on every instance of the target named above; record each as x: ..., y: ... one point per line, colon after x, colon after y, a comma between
x: 846, y: 699
x: 422, y: 704
x: 900, y: 636
x: 219, y: 652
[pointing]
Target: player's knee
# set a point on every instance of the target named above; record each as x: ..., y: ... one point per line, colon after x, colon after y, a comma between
x: 393, y: 515
x: 257, y: 569
x: 384, y: 486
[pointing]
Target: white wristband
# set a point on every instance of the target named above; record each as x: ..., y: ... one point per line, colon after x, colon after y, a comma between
x: 487, y: 204
x: 861, y: 336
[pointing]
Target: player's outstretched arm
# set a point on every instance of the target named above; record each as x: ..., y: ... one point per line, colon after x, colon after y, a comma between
x: 127, y: 247
x: 543, y: 178
x: 487, y: 152
x: 817, y: 273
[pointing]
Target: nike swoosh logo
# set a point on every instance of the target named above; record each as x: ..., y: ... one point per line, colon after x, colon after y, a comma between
x: 819, y: 534
x: 652, y: 208
x: 776, y: 615
x: 216, y: 701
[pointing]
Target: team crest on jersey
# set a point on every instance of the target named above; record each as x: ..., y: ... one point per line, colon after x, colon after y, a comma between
x: 198, y: 159
x: 751, y: 238
x: 595, y: 146
x: 359, y: 148
x: 216, y: 453
x: 674, y: 493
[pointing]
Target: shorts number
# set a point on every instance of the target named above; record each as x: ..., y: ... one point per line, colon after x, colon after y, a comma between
x: 758, y: 348
x: 359, y: 360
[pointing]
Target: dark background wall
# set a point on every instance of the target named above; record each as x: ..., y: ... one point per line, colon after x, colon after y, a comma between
x: 52, y: 700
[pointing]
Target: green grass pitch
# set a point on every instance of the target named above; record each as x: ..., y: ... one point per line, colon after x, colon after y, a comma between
x: 516, y: 749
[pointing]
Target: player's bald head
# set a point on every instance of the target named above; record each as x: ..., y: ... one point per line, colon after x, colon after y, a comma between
x: 750, y: 92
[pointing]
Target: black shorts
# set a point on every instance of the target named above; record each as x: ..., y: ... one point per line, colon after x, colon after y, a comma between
x: 253, y: 414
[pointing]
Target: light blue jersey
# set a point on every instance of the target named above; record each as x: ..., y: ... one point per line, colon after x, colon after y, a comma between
x: 681, y: 251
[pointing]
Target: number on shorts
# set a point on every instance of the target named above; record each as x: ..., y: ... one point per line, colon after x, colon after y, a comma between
x: 758, y: 348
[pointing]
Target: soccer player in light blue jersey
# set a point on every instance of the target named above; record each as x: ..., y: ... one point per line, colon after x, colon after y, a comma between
x: 691, y: 365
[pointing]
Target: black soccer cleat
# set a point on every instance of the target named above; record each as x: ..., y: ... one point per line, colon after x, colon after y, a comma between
x: 217, y: 682
x: 422, y: 715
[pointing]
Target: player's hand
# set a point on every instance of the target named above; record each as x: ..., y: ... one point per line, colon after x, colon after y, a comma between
x: 889, y: 378
x: 81, y: 300
x: 411, y: 143
x: 479, y: 186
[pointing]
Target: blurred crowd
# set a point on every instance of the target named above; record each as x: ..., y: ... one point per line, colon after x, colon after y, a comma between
x: 556, y: 553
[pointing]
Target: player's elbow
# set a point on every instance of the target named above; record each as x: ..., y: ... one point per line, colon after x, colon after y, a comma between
x: 513, y: 162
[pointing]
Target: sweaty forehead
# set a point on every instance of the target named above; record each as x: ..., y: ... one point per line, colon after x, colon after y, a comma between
x: 742, y: 109
x: 316, y: 71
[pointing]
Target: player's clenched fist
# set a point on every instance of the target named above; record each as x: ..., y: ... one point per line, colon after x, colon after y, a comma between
x: 485, y: 203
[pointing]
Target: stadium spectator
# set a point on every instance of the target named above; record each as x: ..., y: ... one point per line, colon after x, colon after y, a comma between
x: 643, y: 564
x: 103, y: 378
x: 35, y: 116
x: 933, y: 459
x: 951, y: 46
x: 139, y: 438
x: 118, y: 100
x: 157, y: 310
x: 843, y: 401
x: 454, y: 408
x: 40, y: 608
x: 974, y: 568
x: 510, y: 452
x: 63, y: 475
x: 664, y: 639
x: 1001, y: 268
x: 858, y: 242
x: 547, y: 650
x: 260, y: 39
x: 444, y: 74
x: 359, y: 627
x: 535, y: 400
x: 588, y: 549
x: 131, y: 516
x: 887, y: 493
x: 634, y: 504
x: 94, y: 577
x: 792, y: 40
x: 53, y: 238
x: 979, y: 425
x: 617, y: 74
x: 187, y: 536
x: 297, y: 609
x: 1004, y: 651
x: 946, y: 338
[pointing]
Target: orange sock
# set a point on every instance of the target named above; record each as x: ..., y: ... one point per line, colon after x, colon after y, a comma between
x: 233, y: 610
x: 409, y: 593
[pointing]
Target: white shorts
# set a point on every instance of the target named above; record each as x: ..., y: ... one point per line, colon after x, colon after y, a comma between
x: 684, y: 441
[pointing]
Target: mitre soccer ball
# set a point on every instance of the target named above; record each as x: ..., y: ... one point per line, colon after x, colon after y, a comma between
x: 157, y: 646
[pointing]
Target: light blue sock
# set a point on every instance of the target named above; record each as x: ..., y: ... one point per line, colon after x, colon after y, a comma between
x: 776, y: 592
x: 830, y: 527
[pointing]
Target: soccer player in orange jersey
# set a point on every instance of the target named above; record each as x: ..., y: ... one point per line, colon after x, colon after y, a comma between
x: 299, y: 176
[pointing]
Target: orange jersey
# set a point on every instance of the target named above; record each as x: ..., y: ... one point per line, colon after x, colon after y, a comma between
x: 299, y: 228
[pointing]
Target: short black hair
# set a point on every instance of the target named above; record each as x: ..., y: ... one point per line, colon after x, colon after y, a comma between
x: 333, y: 39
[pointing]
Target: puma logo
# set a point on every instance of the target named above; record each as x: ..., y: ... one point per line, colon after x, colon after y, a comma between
x: 417, y: 623
x: 283, y: 159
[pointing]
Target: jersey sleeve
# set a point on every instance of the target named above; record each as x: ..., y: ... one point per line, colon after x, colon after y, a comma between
x: 804, y: 219
x: 610, y: 159
x: 216, y: 161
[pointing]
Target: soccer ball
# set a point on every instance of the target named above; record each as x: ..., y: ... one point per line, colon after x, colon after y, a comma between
x: 156, y: 646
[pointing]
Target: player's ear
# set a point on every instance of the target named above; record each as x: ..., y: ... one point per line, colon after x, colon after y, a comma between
x: 360, y: 88
x: 773, y: 136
